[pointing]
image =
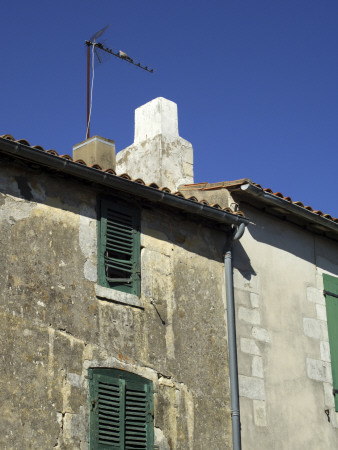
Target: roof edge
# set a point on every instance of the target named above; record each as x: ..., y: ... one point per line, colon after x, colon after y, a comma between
x: 275, y: 201
x: 91, y: 174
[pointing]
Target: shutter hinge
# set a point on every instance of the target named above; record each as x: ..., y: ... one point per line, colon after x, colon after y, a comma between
x: 331, y: 294
x: 334, y: 391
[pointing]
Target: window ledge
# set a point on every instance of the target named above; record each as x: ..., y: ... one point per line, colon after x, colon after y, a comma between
x: 118, y: 296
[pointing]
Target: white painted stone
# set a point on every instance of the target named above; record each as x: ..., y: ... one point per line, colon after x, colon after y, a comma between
x: 249, y: 346
x: 158, y: 153
x: 319, y: 281
x: 318, y: 370
x: 74, y: 379
x: 251, y: 387
x: 334, y: 418
x: 321, y: 312
x: 15, y: 210
x: 257, y: 367
x: 160, y: 439
x: 325, y: 351
x: 329, y: 398
x: 254, y: 299
x: 260, y: 334
x: 325, y: 331
x: 316, y: 329
x: 259, y: 413
x: 159, y: 116
x: 251, y: 316
x: 188, y: 169
x: 118, y: 296
x: 90, y: 271
x: 246, y: 281
x: 87, y: 233
x: 315, y: 295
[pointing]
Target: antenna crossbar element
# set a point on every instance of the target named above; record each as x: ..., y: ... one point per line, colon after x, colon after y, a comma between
x: 95, y: 47
x: 120, y: 55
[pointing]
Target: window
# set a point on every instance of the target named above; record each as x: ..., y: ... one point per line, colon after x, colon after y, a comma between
x: 119, y: 246
x: 121, y: 410
x: 331, y: 296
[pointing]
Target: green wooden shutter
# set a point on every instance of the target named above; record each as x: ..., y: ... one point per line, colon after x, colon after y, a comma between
x: 331, y: 295
x: 121, y: 410
x: 119, y: 246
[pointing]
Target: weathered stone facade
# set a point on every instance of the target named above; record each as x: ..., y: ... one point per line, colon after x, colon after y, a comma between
x: 57, y: 323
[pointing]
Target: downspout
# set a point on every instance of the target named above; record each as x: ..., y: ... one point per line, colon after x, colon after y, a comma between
x: 232, y: 346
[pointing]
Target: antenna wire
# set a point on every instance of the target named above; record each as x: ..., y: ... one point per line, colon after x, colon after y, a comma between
x: 91, y: 90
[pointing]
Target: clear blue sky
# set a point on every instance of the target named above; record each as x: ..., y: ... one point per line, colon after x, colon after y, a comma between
x: 255, y: 82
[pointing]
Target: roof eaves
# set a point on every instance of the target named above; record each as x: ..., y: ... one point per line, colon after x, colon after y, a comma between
x: 50, y: 159
x: 314, y: 220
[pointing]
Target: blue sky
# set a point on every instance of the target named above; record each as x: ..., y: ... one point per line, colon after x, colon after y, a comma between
x: 255, y: 82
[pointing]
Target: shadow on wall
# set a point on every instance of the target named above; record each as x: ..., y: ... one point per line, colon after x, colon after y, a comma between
x: 241, y: 261
x: 288, y: 237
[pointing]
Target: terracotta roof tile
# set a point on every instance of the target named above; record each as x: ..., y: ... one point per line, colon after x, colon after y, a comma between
x: 235, y: 183
x: 123, y: 175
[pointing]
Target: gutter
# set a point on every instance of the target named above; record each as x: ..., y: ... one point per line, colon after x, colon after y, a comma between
x: 296, y: 210
x: 232, y: 345
x: 41, y: 157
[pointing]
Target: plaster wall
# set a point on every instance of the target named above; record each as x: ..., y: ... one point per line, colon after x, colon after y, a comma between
x: 57, y: 323
x: 284, y: 359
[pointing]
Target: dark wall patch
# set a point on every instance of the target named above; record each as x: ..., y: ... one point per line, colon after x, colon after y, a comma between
x: 25, y: 189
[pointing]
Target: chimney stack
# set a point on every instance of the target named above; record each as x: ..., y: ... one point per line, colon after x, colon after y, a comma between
x: 158, y: 153
x: 96, y: 150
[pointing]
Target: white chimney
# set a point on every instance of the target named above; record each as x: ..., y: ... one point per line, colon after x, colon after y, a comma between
x: 158, y: 153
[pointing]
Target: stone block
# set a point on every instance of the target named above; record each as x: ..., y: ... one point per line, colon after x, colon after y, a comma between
x: 259, y: 413
x: 316, y: 329
x: 318, y: 370
x: 321, y: 312
x: 325, y: 351
x: 314, y: 295
x: 329, y: 397
x: 251, y: 316
x: 246, y: 281
x: 249, y: 346
x: 260, y: 334
x: 257, y: 367
x: 251, y: 387
x: 254, y: 300
x: 334, y: 418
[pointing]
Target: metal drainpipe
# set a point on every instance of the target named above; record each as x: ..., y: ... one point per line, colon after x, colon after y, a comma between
x: 232, y: 346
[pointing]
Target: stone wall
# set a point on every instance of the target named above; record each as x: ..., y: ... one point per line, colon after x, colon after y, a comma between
x: 57, y: 323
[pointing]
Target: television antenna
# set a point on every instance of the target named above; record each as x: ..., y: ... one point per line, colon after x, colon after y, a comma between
x: 96, y: 48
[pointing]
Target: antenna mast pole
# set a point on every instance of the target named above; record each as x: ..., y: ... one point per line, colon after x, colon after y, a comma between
x: 88, y: 87
x: 121, y: 55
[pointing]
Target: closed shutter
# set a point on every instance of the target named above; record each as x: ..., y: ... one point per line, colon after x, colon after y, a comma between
x: 331, y: 296
x: 119, y: 247
x: 137, y: 415
x: 121, y: 415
